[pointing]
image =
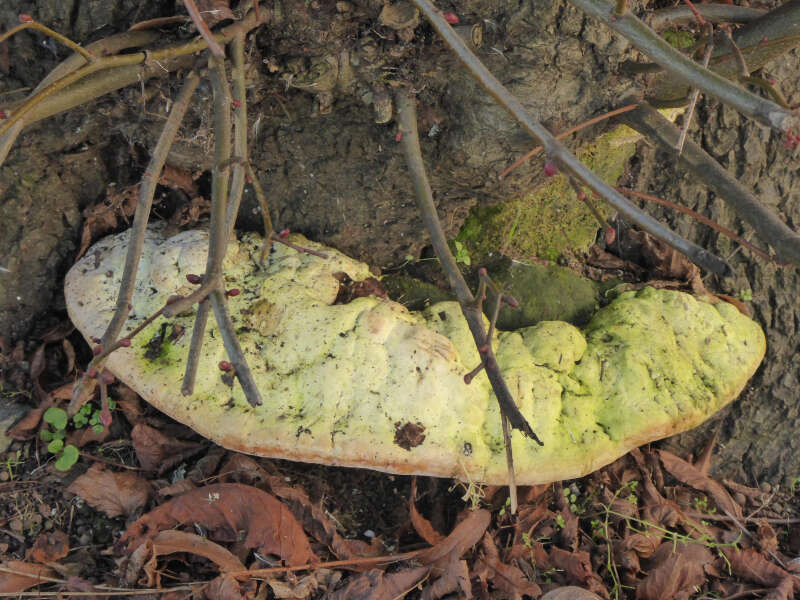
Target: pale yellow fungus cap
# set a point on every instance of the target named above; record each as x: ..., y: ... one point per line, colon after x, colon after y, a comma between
x: 370, y: 384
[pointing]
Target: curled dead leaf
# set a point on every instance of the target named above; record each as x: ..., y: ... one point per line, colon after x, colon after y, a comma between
x: 114, y: 494
x: 158, y: 452
x: 675, y: 569
x: 50, y: 546
x: 693, y: 477
x: 225, y: 510
x: 378, y: 585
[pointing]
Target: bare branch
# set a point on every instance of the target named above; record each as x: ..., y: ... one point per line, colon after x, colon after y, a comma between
x: 218, y: 235
x: 770, y: 228
x: 407, y: 115
x: 658, y: 50
x: 682, y: 15
x: 559, y: 154
x: 203, y: 29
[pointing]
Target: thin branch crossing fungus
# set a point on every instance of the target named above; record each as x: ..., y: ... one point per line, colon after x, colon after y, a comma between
x: 559, y: 154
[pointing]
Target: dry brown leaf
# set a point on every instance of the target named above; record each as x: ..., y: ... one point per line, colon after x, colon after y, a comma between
x: 101, y: 218
x: 171, y: 541
x: 578, y: 567
x: 26, y: 427
x: 751, y: 565
x: 311, y: 515
x: 422, y: 526
x: 225, y: 510
x: 454, y: 577
x: 783, y: 591
x: 674, y: 569
x: 305, y: 586
x: 179, y: 179
x: 465, y: 535
x: 114, y: 494
x: 227, y: 587
x: 766, y: 536
x: 23, y: 576
x: 644, y: 544
x: 691, y: 476
x: 378, y: 585
x: 570, y: 592
x: 49, y: 547
x: 158, y: 452
x: 176, y: 489
x: 507, y: 578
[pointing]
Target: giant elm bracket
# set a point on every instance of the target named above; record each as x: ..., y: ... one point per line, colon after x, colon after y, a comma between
x: 370, y: 384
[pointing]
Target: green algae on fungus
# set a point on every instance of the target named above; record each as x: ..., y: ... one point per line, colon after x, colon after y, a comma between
x: 370, y: 384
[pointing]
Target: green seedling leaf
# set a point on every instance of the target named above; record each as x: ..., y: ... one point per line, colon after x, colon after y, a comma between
x: 45, y: 435
x: 57, y: 417
x: 55, y: 446
x: 97, y: 428
x: 112, y: 404
x: 68, y: 458
x: 60, y: 434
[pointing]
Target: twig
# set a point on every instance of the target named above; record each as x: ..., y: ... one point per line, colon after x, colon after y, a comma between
x: 650, y: 43
x: 203, y: 29
x: 687, y: 118
x: 770, y: 228
x: 138, y: 58
x: 470, y: 307
x: 88, y: 56
x: 218, y: 235
x: 139, y: 227
x: 558, y: 153
x: 8, y: 138
x: 681, y: 15
x: 239, y: 132
x: 228, y: 333
x: 100, y: 48
x: 696, y: 215
x: 568, y: 132
x: 371, y: 560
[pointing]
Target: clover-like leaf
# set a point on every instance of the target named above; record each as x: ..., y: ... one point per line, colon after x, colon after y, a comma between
x: 68, y: 458
x: 55, y: 446
x: 57, y: 417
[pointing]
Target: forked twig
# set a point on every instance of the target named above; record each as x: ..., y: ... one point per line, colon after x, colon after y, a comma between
x: 138, y: 229
x: 659, y: 51
x: 696, y: 215
x: 470, y: 306
x: 203, y: 29
x: 770, y: 228
x: 88, y: 56
x: 558, y: 153
x: 218, y: 232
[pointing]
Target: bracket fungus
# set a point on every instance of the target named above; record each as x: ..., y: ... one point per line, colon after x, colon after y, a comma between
x: 370, y: 384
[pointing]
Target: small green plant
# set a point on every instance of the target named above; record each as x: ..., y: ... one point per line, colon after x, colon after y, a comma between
x: 796, y: 484
x: 701, y: 505
x: 68, y: 454
x: 746, y: 295
x: 506, y: 506
x: 11, y: 463
x: 572, y: 499
x: 89, y: 414
x: 560, y: 522
x: 462, y: 254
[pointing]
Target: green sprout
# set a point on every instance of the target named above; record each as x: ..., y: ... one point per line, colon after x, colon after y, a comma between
x: 67, y: 454
x: 462, y: 254
x: 746, y: 295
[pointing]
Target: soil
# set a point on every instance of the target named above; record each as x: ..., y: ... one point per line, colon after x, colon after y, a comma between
x: 340, y: 178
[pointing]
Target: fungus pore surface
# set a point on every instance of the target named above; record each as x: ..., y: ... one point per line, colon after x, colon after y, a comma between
x: 370, y: 384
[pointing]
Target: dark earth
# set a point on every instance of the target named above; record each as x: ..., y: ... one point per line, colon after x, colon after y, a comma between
x: 332, y: 172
